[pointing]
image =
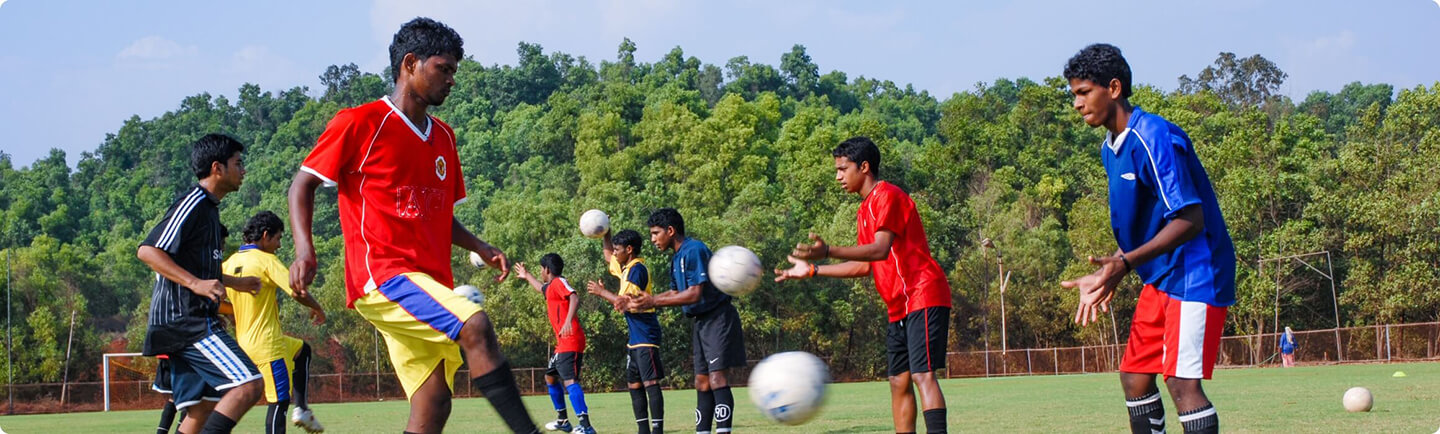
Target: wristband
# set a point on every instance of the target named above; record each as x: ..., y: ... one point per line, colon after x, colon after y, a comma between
x: 813, y: 269
x: 1128, y: 267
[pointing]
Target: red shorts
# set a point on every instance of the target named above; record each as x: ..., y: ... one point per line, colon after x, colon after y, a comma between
x: 1173, y: 337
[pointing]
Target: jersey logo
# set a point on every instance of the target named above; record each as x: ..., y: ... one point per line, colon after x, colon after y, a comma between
x: 1127, y: 176
x: 215, y: 254
x: 440, y: 168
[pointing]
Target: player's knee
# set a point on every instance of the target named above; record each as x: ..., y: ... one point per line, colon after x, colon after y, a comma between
x: 718, y: 380
x: 901, y: 381
x: 702, y: 383
x: 477, y: 332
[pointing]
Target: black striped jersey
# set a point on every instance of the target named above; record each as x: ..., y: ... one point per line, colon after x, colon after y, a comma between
x: 193, y: 236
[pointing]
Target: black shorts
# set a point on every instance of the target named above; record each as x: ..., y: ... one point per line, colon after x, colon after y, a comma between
x: 643, y: 364
x: 566, y: 366
x: 916, y: 344
x: 209, y: 367
x: 717, y: 340
x: 162, y: 377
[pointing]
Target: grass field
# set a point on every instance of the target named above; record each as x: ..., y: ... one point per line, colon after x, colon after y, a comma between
x: 1305, y: 399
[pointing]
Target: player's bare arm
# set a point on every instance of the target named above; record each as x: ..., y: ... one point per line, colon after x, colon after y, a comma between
x: 523, y: 274
x: 608, y: 247
x: 594, y: 287
x: 668, y: 298
x: 568, y: 329
x: 801, y: 269
x: 242, y: 284
x: 302, y: 212
x: 818, y: 249
x: 490, y: 254
x: 161, y: 262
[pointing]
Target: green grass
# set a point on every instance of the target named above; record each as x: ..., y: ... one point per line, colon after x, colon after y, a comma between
x: 1305, y: 399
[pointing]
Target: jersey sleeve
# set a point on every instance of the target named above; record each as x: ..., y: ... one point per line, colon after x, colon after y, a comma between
x: 697, y: 263
x: 167, y: 234
x: 333, y: 149
x: 639, y: 276
x: 279, y: 275
x: 1174, y: 183
x: 891, y: 213
x: 565, y: 287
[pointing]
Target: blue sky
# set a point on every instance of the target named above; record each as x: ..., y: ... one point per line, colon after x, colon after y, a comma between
x: 74, y: 71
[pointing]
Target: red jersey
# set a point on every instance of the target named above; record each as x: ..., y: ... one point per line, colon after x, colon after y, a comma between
x: 908, y: 279
x: 557, y: 305
x: 398, y: 186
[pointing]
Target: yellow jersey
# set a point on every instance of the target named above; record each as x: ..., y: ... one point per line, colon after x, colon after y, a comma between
x: 257, y: 316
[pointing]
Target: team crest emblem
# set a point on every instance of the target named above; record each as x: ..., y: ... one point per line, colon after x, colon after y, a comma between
x: 440, y: 167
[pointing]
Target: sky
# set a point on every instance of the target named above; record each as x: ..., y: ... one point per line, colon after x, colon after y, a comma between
x: 73, y: 71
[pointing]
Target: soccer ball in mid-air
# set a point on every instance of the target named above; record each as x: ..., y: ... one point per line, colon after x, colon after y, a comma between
x: 471, y: 293
x: 789, y: 387
x: 594, y: 223
x: 1358, y: 399
x: 735, y: 270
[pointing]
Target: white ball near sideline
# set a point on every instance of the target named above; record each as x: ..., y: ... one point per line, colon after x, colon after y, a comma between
x: 594, y: 223
x: 735, y: 270
x: 789, y: 387
x: 476, y: 260
x: 471, y: 293
x: 1358, y: 399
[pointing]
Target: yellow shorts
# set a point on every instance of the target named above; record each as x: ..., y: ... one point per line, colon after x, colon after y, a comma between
x: 420, y: 319
x: 277, y: 373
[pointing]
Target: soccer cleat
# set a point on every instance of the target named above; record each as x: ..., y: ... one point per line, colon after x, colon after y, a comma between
x: 583, y: 430
x: 561, y: 425
x: 305, y: 419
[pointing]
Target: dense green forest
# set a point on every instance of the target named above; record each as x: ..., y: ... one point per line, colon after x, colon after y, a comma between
x: 742, y: 150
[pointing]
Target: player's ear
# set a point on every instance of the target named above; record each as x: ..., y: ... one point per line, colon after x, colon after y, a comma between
x: 408, y: 63
x: 864, y: 167
x: 1115, y: 88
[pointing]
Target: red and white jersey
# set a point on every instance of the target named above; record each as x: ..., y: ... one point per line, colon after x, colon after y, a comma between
x: 557, y: 307
x: 908, y: 279
x: 398, y: 186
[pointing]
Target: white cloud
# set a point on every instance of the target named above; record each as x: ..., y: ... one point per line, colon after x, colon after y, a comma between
x: 155, y: 48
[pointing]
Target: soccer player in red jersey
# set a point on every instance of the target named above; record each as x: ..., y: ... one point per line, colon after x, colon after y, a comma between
x: 398, y: 179
x: 562, y: 306
x: 892, y: 248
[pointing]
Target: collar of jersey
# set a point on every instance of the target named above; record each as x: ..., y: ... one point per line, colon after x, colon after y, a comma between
x: 1114, y: 143
x: 248, y: 247
x: 424, y: 135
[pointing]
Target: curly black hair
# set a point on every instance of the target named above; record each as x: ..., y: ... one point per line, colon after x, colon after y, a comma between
x: 264, y: 222
x: 213, y: 148
x: 424, y: 37
x: 1100, y: 63
x: 667, y: 218
x: 859, y: 149
x: 629, y: 238
x: 553, y: 263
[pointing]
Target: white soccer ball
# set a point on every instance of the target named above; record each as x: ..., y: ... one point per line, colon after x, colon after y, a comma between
x: 1358, y: 399
x: 789, y: 387
x: 471, y: 293
x: 476, y: 260
x: 735, y: 270
x: 594, y: 223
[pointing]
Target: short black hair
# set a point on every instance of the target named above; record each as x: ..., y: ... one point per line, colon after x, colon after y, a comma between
x: 628, y: 238
x: 667, y: 218
x: 553, y: 263
x: 859, y: 149
x: 1100, y: 63
x: 262, y: 223
x: 211, y: 149
x: 424, y: 37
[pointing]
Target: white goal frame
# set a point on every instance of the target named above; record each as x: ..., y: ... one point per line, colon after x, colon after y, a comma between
x: 105, y: 369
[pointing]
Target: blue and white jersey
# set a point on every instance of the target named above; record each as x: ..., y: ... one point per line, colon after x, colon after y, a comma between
x: 1153, y: 174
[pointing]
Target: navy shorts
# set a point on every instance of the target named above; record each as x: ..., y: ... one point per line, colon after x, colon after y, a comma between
x: 643, y: 364
x: 207, y: 368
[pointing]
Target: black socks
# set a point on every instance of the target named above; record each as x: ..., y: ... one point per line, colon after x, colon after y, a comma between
x: 724, y: 409
x: 935, y: 420
x: 641, y: 408
x: 167, y: 418
x: 301, y: 376
x: 275, y: 418
x: 218, y: 423
x: 657, y: 409
x: 498, y: 386
x: 1147, y: 414
x: 1201, y: 420
x: 704, y: 408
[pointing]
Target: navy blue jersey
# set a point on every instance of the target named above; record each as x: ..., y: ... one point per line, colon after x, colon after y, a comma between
x: 689, y: 268
x: 1154, y: 173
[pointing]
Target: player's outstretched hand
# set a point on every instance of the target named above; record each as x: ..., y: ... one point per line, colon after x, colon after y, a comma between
x: 302, y: 272
x: 1096, y: 289
x: 594, y: 287
x: 817, y: 249
x: 317, y: 316
x: 211, y: 289
x: 495, y: 258
x: 800, y: 270
x: 520, y: 271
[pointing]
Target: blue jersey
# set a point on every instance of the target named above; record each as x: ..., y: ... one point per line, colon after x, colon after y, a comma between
x: 1153, y: 174
x: 689, y: 268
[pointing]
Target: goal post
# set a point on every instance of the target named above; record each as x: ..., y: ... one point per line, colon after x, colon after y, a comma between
x: 105, y: 372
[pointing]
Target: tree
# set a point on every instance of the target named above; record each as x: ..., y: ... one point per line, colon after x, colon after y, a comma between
x: 1247, y: 82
